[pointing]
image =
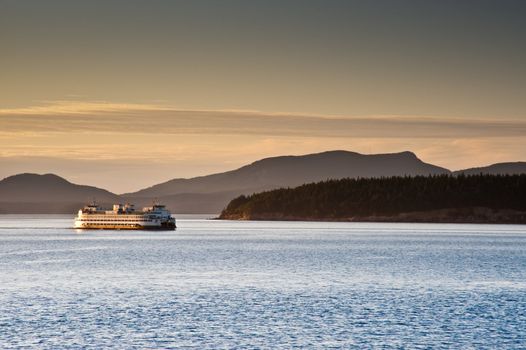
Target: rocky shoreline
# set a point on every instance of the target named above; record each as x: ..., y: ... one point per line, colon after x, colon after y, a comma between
x: 475, y: 215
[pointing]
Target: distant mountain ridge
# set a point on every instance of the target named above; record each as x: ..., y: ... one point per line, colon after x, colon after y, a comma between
x: 211, y: 193
x: 285, y: 171
x: 510, y: 168
x: 49, y: 193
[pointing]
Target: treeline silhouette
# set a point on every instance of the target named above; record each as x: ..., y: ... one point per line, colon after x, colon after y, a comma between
x: 366, y: 197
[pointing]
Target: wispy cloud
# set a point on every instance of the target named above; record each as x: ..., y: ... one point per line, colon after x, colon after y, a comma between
x: 101, y: 117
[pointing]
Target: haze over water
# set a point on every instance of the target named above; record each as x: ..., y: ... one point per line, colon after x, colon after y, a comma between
x: 222, y: 284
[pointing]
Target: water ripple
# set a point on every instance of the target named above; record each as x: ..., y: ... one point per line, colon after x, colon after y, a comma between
x: 264, y: 286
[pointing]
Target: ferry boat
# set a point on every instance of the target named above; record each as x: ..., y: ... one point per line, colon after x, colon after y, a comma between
x: 125, y: 217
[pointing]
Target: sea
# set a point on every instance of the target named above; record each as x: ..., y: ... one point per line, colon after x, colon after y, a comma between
x: 261, y: 285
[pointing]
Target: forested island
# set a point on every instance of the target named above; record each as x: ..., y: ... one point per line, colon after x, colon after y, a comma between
x: 440, y: 198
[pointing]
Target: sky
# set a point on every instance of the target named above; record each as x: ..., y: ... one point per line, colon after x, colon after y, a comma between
x: 125, y: 94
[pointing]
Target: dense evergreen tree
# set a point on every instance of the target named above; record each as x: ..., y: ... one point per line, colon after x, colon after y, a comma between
x: 354, y: 198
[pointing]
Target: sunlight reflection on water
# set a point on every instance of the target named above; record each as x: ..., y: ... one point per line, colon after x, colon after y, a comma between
x: 220, y: 284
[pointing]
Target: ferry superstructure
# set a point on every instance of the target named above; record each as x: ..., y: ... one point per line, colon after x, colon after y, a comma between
x: 125, y: 217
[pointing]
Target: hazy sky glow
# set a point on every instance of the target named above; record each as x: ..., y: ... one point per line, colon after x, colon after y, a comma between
x: 164, y: 89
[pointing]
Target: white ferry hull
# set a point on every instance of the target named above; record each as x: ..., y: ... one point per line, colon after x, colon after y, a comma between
x: 124, y: 227
x: 125, y: 218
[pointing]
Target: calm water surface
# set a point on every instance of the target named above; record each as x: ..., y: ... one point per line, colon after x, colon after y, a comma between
x: 222, y: 284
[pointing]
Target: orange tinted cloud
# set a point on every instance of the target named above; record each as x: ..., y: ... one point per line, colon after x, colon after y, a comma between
x: 97, y: 117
